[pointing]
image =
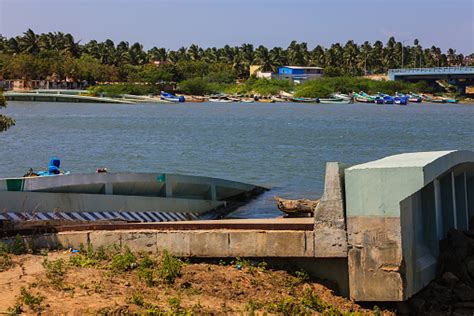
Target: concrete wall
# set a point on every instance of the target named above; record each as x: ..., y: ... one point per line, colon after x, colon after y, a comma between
x: 397, y: 209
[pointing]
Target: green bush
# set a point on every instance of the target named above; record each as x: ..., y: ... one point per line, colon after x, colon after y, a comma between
x: 125, y: 261
x: 169, y: 268
x: 116, y: 90
x: 32, y: 301
x: 324, y: 87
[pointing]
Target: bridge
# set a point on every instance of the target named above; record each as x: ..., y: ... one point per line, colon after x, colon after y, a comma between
x: 458, y: 76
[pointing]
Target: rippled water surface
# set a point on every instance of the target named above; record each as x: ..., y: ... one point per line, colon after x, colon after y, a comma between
x: 282, y: 146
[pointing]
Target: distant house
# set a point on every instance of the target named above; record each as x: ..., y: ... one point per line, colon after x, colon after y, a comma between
x: 298, y: 74
x: 255, y: 71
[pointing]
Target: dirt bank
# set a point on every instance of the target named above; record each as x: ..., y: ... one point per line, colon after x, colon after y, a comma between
x: 123, y: 282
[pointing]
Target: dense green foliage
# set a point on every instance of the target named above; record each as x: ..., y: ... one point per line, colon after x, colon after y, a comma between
x: 115, y: 90
x: 5, y: 121
x: 60, y: 56
x: 324, y: 87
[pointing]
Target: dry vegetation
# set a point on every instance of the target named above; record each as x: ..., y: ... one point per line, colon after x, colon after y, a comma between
x: 119, y: 281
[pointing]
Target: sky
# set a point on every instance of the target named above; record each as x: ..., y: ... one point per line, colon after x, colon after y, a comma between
x: 208, y: 23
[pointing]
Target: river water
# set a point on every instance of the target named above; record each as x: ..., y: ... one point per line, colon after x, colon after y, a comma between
x: 283, y: 146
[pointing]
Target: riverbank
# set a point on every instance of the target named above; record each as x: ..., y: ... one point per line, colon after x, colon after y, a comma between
x: 116, y: 280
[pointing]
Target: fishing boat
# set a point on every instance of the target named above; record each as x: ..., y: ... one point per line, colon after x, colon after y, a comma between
x: 171, y: 97
x: 378, y: 100
x: 334, y: 101
x: 279, y: 99
x: 414, y: 98
x: 247, y: 100
x: 400, y: 100
x: 123, y: 196
x: 341, y: 96
x: 362, y: 98
x: 448, y: 100
x: 387, y: 99
x: 221, y: 100
x: 265, y: 100
x: 304, y: 100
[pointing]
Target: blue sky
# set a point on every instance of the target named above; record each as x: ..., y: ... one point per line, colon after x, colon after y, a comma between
x: 176, y: 23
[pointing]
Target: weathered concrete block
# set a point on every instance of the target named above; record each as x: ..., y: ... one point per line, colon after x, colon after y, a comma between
x: 105, y: 238
x: 375, y: 259
x: 177, y: 242
x: 289, y: 244
x: 73, y: 239
x: 139, y: 240
x: 209, y: 243
x: 329, y: 217
x: 247, y: 244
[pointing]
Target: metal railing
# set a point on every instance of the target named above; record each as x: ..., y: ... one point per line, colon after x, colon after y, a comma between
x: 464, y: 69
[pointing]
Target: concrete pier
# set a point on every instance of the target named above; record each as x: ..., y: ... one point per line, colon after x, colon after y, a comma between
x: 375, y: 232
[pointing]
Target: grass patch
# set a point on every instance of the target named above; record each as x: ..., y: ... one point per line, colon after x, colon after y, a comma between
x: 30, y: 300
x: 5, y: 261
x: 55, y: 272
x: 169, y: 268
x: 123, y: 261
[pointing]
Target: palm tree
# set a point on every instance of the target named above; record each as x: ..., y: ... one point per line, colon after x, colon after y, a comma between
x: 194, y: 52
x: 365, y: 58
x: 262, y: 57
x: 317, y: 57
x: 29, y: 42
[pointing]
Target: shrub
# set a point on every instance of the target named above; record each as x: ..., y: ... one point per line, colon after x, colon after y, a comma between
x: 125, y: 261
x: 170, y: 267
x: 32, y: 301
x: 5, y: 261
x: 19, y: 246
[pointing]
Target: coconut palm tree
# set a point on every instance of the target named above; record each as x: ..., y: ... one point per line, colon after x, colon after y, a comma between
x: 262, y: 57
x: 29, y: 42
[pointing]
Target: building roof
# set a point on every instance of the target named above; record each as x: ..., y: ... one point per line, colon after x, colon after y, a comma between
x: 300, y: 67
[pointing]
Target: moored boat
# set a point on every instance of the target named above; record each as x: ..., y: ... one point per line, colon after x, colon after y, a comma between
x: 334, y: 101
x: 125, y: 196
x: 279, y: 99
x: 362, y: 98
x: 304, y: 100
x: 171, y: 97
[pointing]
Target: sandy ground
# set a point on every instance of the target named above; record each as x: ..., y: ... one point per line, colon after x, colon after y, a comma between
x: 201, y: 288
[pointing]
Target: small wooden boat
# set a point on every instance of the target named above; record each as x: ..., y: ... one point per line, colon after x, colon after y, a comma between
x: 362, y: 99
x: 266, y: 101
x: 304, y: 100
x: 341, y: 96
x: 279, y: 99
x: 334, y: 101
x: 221, y: 100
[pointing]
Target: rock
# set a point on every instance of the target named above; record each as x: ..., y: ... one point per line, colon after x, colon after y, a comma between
x: 464, y: 293
x: 417, y: 304
x: 462, y: 311
x: 470, y: 267
x: 403, y: 308
x: 449, y: 279
x: 464, y: 305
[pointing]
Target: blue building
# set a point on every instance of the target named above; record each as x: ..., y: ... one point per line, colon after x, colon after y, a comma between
x: 298, y: 74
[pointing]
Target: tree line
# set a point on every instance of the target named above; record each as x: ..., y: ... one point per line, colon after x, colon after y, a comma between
x: 39, y: 56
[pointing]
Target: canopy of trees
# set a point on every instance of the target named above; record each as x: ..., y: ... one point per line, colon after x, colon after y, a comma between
x: 39, y: 56
x: 5, y: 121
